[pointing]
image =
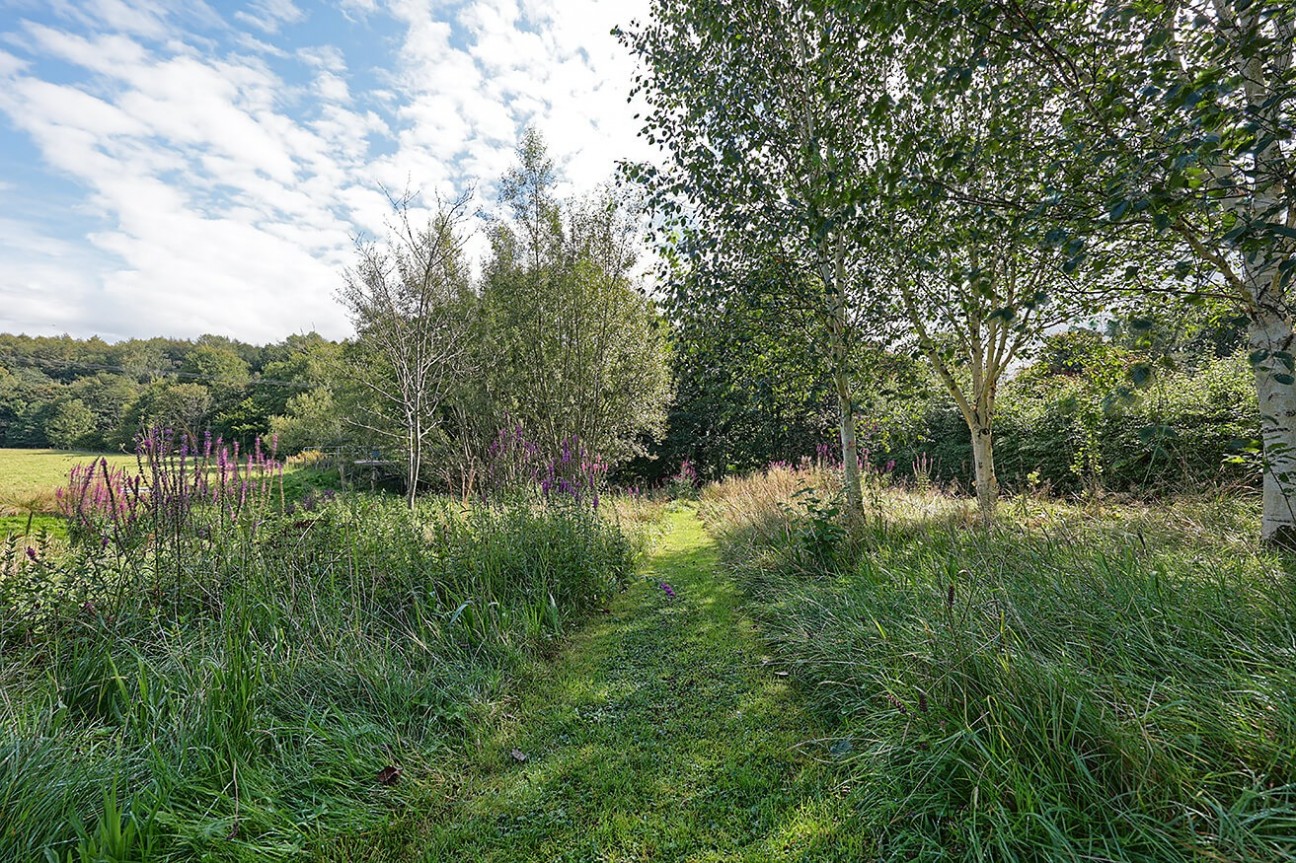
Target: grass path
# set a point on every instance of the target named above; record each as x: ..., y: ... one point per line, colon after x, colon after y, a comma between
x: 660, y: 734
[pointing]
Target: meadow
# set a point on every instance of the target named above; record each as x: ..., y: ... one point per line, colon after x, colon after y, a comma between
x: 29, y: 479
x: 241, y: 664
x: 1085, y: 681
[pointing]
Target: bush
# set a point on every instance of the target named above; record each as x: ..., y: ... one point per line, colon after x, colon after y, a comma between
x: 1180, y: 431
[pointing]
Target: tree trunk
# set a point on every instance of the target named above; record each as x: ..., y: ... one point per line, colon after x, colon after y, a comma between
x: 1270, y: 335
x: 412, y: 465
x: 849, y: 445
x: 834, y: 276
x: 987, y: 485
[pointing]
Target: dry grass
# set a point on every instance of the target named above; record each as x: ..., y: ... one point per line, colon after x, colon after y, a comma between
x: 761, y: 508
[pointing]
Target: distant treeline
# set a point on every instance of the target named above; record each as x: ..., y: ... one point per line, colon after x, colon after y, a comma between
x: 62, y: 392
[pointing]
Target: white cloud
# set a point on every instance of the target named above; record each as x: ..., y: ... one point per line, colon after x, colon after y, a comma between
x: 227, y: 186
x: 269, y: 15
x: 11, y: 65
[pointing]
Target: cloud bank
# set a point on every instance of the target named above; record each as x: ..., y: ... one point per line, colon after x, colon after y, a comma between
x: 173, y: 170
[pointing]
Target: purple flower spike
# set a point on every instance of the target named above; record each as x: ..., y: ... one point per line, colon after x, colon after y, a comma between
x: 668, y: 590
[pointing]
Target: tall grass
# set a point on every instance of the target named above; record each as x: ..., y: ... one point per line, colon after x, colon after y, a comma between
x: 1100, y: 684
x: 273, y: 684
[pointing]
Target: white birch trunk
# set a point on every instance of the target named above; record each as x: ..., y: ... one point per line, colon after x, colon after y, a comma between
x: 849, y: 445
x: 1270, y: 334
x: 834, y: 281
x: 987, y: 484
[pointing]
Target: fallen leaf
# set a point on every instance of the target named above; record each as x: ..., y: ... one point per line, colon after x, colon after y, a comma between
x: 518, y: 755
x: 388, y: 775
x: 780, y: 674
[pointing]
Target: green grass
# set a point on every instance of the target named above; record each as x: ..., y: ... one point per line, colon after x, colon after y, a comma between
x: 660, y: 733
x: 1081, y: 683
x: 239, y: 700
x: 29, y: 477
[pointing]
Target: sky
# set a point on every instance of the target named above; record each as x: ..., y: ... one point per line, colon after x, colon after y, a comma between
x: 180, y: 167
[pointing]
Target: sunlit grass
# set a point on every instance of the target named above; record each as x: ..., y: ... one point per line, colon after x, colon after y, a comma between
x: 661, y: 733
x: 29, y: 477
x: 1095, y: 680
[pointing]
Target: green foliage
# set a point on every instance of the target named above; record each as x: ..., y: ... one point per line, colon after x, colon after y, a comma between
x: 1077, y: 420
x: 572, y: 348
x: 212, y: 383
x: 310, y: 420
x: 72, y: 426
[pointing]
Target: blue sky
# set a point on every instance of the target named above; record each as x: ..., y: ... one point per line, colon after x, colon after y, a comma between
x: 178, y: 167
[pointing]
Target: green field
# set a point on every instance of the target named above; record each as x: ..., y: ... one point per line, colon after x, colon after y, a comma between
x: 29, y: 477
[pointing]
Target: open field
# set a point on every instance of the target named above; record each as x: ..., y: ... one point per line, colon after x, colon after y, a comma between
x: 29, y: 477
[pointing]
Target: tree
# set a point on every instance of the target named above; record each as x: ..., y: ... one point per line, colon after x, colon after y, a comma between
x: 573, y: 347
x: 1184, y: 109
x: 763, y: 109
x: 978, y: 274
x: 412, y: 305
x: 310, y: 419
x: 183, y: 408
x: 110, y: 398
x: 752, y: 384
x: 72, y: 426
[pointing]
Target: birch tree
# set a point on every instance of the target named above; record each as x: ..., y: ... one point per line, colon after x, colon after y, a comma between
x: 976, y: 265
x: 574, y: 346
x: 1184, y: 109
x: 411, y: 301
x: 762, y: 109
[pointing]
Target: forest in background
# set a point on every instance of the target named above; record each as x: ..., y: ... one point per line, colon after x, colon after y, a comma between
x: 1073, y: 418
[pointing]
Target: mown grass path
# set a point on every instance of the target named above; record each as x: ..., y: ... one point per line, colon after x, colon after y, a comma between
x: 660, y: 734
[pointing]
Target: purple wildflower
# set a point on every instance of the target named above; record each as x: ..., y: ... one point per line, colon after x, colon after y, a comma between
x: 668, y: 590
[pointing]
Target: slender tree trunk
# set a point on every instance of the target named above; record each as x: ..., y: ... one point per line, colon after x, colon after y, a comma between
x: 987, y: 484
x: 1271, y: 334
x: 837, y: 331
x: 412, y: 464
x: 849, y: 444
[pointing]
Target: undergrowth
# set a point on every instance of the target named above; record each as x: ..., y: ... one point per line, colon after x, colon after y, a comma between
x: 1080, y: 683
x: 253, y: 693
